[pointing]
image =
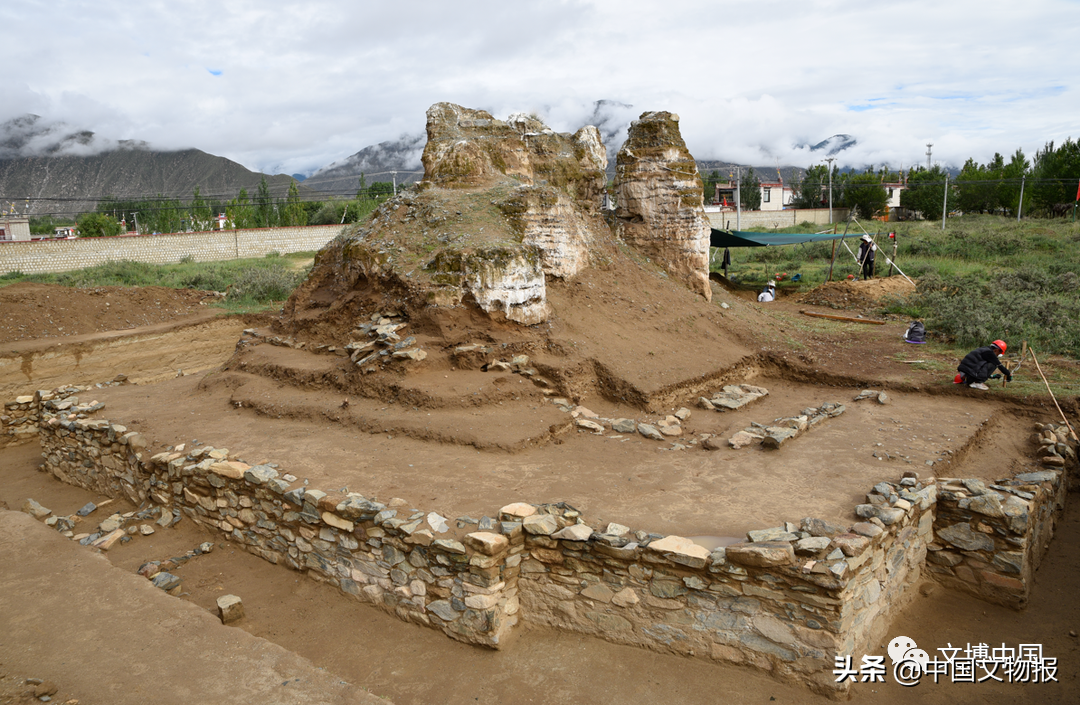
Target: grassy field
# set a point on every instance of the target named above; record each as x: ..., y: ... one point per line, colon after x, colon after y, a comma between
x: 252, y: 284
x: 981, y: 278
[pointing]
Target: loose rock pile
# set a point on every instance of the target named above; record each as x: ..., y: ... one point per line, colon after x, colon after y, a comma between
x: 882, y: 397
x: 786, y: 428
x: 384, y: 344
x: 668, y: 427
x: 733, y: 396
x: 1055, y: 448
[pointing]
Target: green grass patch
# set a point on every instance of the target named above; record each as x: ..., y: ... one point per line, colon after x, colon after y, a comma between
x: 252, y: 284
x: 981, y: 278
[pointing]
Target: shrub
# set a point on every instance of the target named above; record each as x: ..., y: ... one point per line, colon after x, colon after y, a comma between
x: 264, y: 285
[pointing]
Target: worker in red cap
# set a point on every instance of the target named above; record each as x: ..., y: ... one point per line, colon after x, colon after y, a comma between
x: 979, y: 364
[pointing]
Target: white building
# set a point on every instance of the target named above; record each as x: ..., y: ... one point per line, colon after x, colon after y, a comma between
x: 14, y: 227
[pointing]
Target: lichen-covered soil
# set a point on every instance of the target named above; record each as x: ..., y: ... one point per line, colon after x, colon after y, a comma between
x: 459, y: 440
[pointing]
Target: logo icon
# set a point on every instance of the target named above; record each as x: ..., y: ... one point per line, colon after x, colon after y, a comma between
x: 909, y: 661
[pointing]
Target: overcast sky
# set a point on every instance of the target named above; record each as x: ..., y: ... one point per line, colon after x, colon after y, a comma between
x: 292, y: 86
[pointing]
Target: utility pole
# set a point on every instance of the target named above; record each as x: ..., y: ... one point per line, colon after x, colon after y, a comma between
x: 945, y: 202
x: 1021, y: 208
x: 830, y: 160
x: 928, y: 152
x: 395, y: 181
x: 738, y: 197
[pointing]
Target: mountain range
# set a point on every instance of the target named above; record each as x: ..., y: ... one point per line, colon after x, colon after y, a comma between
x: 52, y: 168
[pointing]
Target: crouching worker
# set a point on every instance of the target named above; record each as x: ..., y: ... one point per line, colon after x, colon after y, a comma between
x: 768, y: 293
x: 980, y: 363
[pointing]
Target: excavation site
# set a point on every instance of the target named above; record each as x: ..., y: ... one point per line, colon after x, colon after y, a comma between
x: 506, y: 444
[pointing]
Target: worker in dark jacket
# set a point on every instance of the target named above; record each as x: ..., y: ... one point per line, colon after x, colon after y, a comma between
x: 867, y: 248
x: 980, y: 363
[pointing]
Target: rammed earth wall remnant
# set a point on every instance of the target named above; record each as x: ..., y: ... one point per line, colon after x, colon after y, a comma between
x: 658, y: 196
x: 788, y: 600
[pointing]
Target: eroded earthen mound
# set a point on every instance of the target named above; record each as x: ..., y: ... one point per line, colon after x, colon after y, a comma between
x: 857, y: 294
x: 506, y: 248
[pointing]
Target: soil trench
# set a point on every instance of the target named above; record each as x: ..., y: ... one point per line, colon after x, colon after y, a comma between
x: 411, y: 665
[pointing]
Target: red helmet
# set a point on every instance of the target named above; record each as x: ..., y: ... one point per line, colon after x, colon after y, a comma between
x: 1000, y: 344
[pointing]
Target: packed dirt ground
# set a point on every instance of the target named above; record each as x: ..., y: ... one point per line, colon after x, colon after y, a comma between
x: 462, y: 441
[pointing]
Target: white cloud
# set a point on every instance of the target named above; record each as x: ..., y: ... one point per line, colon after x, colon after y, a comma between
x: 300, y: 85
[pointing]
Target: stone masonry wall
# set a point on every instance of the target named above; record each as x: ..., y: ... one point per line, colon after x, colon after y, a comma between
x: 990, y: 539
x: 66, y: 255
x: 787, y: 600
x: 375, y: 553
x: 18, y: 422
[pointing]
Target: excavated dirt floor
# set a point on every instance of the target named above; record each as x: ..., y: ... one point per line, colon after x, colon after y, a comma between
x: 125, y: 626
x: 474, y: 441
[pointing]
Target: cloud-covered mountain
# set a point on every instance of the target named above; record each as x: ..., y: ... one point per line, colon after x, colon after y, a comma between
x: 62, y: 170
x: 832, y: 146
x: 377, y: 163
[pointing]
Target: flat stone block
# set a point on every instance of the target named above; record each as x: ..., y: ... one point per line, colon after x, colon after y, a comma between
x: 230, y: 608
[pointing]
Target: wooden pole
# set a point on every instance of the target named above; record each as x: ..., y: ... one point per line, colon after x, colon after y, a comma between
x: 829, y: 278
x: 1037, y: 367
x: 849, y: 319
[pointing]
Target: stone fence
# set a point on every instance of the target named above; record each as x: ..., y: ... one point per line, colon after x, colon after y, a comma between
x: 789, y: 600
x: 65, y: 255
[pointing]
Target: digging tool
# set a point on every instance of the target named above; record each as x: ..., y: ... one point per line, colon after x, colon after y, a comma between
x: 1020, y: 361
x: 1037, y: 367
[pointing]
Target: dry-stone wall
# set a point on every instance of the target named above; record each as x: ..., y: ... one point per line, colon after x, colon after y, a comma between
x: 991, y: 538
x: 18, y: 423
x: 66, y: 255
x: 787, y: 600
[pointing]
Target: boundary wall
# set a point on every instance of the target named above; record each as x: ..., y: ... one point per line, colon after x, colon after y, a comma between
x: 43, y: 256
x: 725, y: 220
x: 789, y: 600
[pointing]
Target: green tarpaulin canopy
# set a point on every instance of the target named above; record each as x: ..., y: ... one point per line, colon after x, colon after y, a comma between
x: 743, y: 238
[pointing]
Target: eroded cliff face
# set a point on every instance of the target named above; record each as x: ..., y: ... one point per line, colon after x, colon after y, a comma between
x: 658, y: 192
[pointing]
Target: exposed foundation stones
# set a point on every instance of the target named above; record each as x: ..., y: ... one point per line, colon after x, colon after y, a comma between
x: 789, y: 599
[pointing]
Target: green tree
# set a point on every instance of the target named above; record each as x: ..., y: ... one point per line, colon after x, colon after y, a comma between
x: 708, y: 184
x: 813, y: 190
x: 293, y: 212
x: 864, y: 194
x: 925, y: 191
x: 750, y: 191
x: 977, y: 187
x: 1055, y: 173
x: 200, y: 212
x: 1012, y: 175
x: 98, y: 225
x: 241, y: 212
x: 265, y: 215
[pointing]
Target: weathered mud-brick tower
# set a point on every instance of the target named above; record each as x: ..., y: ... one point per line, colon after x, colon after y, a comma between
x: 658, y: 193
